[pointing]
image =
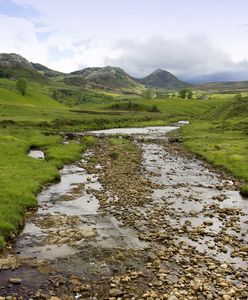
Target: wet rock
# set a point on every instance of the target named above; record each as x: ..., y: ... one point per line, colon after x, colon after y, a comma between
x: 9, y: 262
x: 115, y: 292
x: 208, y: 223
x: 244, y: 249
x: 15, y: 280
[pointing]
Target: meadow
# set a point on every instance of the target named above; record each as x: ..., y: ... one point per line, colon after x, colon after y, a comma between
x: 217, y: 132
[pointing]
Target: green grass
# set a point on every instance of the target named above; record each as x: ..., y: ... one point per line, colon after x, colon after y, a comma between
x: 218, y: 132
x: 221, y: 146
x: 222, y: 137
x: 21, y: 177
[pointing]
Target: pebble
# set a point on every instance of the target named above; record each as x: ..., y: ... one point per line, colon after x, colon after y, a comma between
x: 15, y: 280
x: 115, y: 292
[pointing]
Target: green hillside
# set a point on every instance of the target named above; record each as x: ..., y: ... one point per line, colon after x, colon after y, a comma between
x: 218, y: 129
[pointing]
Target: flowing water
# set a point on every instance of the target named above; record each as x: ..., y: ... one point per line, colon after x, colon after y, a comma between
x: 70, y: 230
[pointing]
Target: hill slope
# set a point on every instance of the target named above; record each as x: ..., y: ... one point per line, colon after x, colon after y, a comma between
x: 16, y: 66
x: 106, y: 78
x: 163, y: 79
x: 228, y: 86
x: 46, y: 71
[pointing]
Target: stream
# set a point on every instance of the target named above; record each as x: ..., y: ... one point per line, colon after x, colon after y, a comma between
x: 191, y: 206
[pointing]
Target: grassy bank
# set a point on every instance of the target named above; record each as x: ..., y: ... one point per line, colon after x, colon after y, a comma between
x: 36, y: 119
x: 226, y: 149
x: 21, y: 177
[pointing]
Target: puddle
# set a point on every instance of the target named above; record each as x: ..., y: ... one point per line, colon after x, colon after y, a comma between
x: 37, y: 154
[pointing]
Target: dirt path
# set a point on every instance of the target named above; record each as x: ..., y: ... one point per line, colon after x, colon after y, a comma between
x: 135, y: 219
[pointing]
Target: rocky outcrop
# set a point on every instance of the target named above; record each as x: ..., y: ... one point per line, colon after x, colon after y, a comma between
x: 12, y: 60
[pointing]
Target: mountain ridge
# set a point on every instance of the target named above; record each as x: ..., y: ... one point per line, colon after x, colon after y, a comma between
x: 112, y: 79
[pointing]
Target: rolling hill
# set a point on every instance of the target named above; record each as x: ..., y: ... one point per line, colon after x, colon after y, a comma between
x: 106, y: 78
x: 229, y: 86
x: 43, y: 70
x: 109, y: 79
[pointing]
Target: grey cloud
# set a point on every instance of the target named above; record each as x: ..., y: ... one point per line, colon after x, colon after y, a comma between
x: 190, y: 59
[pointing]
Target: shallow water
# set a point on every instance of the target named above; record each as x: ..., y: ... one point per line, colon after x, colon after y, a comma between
x: 153, y: 132
x: 70, y: 230
x: 187, y: 192
x: 38, y: 154
x: 73, y: 198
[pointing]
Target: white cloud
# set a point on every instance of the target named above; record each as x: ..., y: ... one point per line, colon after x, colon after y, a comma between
x: 189, y: 57
x: 84, y: 34
x: 18, y: 35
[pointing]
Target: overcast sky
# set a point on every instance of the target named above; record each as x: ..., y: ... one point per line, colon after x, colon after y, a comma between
x: 196, y: 40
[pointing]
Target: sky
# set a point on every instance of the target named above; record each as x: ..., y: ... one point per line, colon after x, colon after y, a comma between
x: 197, y: 40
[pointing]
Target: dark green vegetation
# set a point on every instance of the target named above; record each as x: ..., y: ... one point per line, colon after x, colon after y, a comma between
x: 186, y: 93
x: 218, y: 129
x: 132, y: 106
x: 21, y: 86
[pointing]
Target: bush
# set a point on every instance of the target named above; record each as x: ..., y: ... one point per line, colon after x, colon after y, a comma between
x: 154, y: 108
x: 21, y: 86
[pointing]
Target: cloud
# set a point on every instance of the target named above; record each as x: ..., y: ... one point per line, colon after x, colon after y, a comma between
x: 189, y: 58
x: 67, y: 37
x: 21, y: 38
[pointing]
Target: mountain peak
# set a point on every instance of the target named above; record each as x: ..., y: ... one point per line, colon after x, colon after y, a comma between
x: 13, y: 60
x: 109, y: 78
x: 163, y: 79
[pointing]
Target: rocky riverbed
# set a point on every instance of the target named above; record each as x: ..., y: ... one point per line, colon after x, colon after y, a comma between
x: 136, y: 218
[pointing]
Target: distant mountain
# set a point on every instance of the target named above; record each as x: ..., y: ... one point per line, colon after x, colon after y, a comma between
x: 13, y: 65
x: 109, y: 79
x: 228, y: 86
x: 163, y: 79
x: 46, y: 71
x: 12, y: 61
x: 106, y: 78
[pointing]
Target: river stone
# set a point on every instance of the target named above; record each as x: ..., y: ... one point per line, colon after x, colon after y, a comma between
x: 244, y: 248
x: 15, y: 280
x: 208, y: 223
x: 115, y: 292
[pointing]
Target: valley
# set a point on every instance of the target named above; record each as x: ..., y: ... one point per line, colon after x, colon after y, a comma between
x: 122, y: 202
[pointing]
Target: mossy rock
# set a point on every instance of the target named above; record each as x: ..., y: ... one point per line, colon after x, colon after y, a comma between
x: 244, y: 191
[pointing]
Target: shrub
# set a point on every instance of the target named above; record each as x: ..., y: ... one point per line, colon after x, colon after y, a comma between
x: 21, y: 86
x: 154, y: 108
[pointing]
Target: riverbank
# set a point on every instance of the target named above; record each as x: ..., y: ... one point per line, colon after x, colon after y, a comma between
x: 221, y: 146
x: 22, y: 177
x: 159, y: 224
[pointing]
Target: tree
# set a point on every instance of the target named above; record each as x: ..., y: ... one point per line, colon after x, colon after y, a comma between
x: 154, y: 108
x: 186, y: 93
x: 21, y: 86
x: 189, y: 94
x: 183, y: 93
x: 147, y: 94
